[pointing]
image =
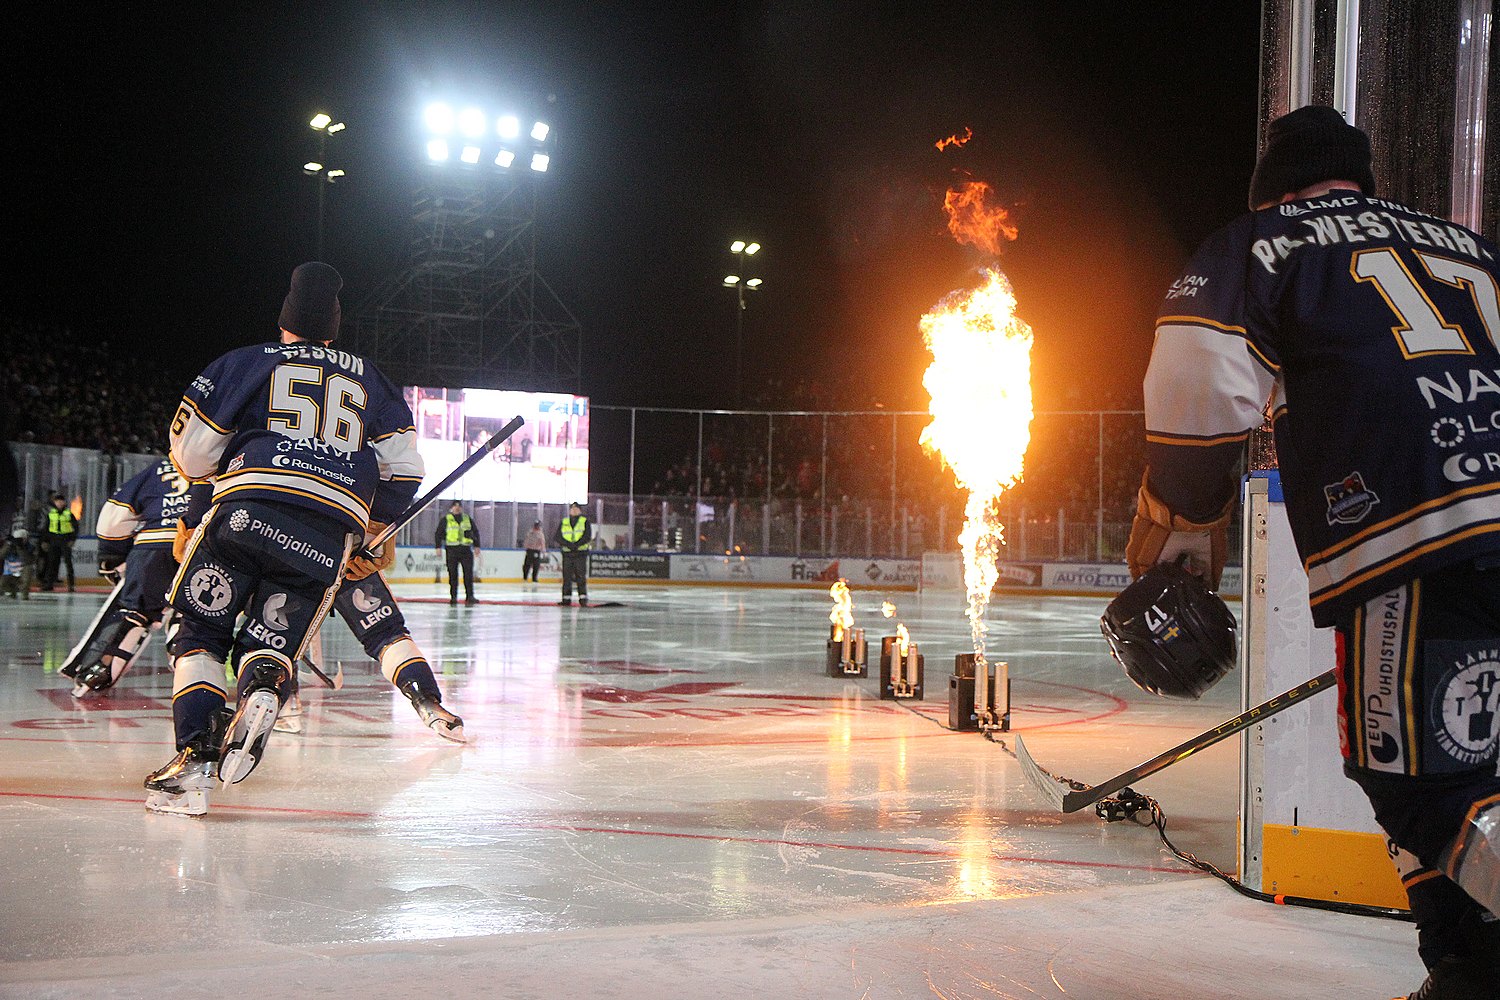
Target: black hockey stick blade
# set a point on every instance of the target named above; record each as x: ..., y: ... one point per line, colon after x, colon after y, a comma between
x: 410, y: 512
x: 1072, y: 796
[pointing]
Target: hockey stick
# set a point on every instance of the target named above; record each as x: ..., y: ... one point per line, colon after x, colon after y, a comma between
x: 1071, y: 796
x: 111, y: 603
x: 463, y: 467
x: 336, y: 681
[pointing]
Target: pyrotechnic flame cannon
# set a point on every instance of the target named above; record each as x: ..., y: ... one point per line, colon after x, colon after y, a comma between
x: 901, y: 667
x: 979, y: 694
x: 847, y: 655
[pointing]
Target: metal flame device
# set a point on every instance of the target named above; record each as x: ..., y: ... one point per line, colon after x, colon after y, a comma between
x: 979, y: 697
x: 847, y: 654
x: 900, y: 676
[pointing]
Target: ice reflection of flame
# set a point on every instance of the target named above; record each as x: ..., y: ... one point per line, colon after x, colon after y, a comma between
x: 980, y: 385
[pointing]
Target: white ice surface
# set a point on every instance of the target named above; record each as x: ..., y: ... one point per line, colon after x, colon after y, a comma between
x: 663, y: 799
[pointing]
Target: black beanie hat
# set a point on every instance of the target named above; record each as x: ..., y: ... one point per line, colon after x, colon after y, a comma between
x: 1309, y: 145
x: 311, y: 309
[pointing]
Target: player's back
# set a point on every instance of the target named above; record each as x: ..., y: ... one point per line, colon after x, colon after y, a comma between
x: 301, y: 424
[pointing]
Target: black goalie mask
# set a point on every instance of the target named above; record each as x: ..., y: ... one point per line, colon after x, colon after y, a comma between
x: 1173, y: 636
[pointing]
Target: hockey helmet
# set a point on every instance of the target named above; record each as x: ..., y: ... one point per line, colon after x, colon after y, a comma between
x: 1173, y: 635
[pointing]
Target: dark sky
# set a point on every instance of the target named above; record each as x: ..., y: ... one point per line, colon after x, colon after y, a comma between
x: 160, y: 201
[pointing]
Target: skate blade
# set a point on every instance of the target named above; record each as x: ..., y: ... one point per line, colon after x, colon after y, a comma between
x: 453, y: 734
x: 190, y: 803
x: 82, y: 690
x: 243, y: 749
x: 288, y: 724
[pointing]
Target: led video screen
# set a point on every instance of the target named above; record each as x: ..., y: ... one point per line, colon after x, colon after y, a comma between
x: 546, y: 461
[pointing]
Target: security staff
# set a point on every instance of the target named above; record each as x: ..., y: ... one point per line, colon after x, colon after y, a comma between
x: 457, y: 535
x: 62, y: 532
x: 573, y: 537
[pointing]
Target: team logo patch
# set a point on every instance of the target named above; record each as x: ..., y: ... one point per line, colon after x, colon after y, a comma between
x: 364, y: 603
x: 1292, y: 210
x: 273, y: 614
x: 239, y: 520
x: 1349, y: 501
x: 235, y: 464
x: 1464, y: 718
x: 210, y: 592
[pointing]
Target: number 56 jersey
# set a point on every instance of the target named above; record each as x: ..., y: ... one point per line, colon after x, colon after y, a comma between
x: 303, y: 425
x: 1373, y: 330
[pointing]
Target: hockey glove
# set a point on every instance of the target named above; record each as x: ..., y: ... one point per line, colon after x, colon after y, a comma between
x: 382, y: 558
x: 109, y: 568
x: 180, y: 542
x: 1158, y: 535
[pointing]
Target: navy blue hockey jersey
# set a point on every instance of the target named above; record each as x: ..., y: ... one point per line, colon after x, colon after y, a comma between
x: 300, y: 424
x: 1374, y: 331
x: 146, y: 509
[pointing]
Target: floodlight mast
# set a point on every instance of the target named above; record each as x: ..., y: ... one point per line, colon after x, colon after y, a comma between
x: 324, y: 125
x: 741, y: 249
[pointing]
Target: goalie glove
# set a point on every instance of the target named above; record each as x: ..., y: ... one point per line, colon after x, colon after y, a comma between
x: 1158, y: 535
x: 366, y: 560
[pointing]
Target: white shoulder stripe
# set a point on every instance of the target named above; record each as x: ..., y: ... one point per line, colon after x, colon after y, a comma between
x: 1203, y: 382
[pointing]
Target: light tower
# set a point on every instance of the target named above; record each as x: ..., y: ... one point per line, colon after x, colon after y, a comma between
x: 741, y: 283
x: 471, y: 309
x: 319, y: 169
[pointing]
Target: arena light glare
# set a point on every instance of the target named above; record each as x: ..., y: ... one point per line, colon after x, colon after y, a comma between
x: 471, y: 123
x: 752, y: 247
x: 320, y: 120
x: 437, y: 150
x: 737, y: 246
x: 504, y: 158
x: 334, y: 175
x: 731, y: 280
x: 539, y: 131
x: 539, y: 162
x: 470, y: 154
x: 336, y: 127
x: 312, y: 167
x: 439, y: 118
x: 753, y: 283
x: 509, y: 127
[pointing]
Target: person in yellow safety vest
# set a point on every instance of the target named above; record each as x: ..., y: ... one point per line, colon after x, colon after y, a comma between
x: 457, y: 535
x: 573, y: 537
x: 62, y: 532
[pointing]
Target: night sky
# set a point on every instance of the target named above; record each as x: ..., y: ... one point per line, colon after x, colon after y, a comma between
x: 161, y: 202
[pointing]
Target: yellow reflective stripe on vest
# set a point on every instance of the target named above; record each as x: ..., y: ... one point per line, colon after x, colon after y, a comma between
x: 458, y: 529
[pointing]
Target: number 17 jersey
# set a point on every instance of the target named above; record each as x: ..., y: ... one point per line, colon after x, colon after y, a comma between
x: 1373, y: 329
x: 300, y: 424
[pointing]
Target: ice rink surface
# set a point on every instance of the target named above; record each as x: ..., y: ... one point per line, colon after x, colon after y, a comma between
x: 663, y: 799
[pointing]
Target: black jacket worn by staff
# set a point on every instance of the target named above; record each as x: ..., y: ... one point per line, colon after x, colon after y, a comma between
x: 575, y: 554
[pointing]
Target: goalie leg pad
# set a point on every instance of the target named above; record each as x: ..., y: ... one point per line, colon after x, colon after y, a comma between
x: 123, y: 648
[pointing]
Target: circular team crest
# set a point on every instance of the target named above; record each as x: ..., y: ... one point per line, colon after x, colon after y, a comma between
x: 1465, y: 716
x: 210, y: 592
x: 239, y: 520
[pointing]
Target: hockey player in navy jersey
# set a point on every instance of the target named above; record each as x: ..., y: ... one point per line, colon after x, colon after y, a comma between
x: 139, y: 522
x: 1373, y: 330
x: 311, y: 450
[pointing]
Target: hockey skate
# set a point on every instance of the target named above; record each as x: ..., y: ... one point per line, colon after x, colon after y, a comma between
x: 180, y: 787
x: 433, y: 715
x: 245, y: 742
x: 289, y: 719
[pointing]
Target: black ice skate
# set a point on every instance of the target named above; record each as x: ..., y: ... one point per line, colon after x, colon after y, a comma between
x: 180, y: 787
x: 245, y: 743
x: 433, y: 715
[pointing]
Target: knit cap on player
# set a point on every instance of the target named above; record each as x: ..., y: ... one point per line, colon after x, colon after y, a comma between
x: 311, y: 309
x: 1310, y: 145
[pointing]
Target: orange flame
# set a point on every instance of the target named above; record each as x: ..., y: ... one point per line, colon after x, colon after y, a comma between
x: 980, y: 385
x: 903, y: 639
x: 842, y: 615
x: 971, y: 220
x: 888, y: 609
x: 955, y: 139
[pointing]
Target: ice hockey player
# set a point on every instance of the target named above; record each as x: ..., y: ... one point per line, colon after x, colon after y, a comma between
x: 1372, y: 329
x: 310, y: 450
x: 139, y: 522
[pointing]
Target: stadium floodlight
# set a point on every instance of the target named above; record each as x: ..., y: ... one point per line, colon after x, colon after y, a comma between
x: 320, y: 120
x: 439, y: 118
x: 336, y: 127
x: 751, y: 247
x: 470, y: 154
x: 437, y: 150
x: 539, y: 131
x: 509, y: 127
x: 753, y: 283
x: 539, y: 162
x: 504, y: 158
x: 312, y: 167
x: 737, y: 246
x: 731, y: 280
x: 334, y: 175
x: 471, y: 123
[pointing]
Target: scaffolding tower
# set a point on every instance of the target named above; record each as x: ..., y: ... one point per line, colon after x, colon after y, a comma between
x: 471, y: 309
